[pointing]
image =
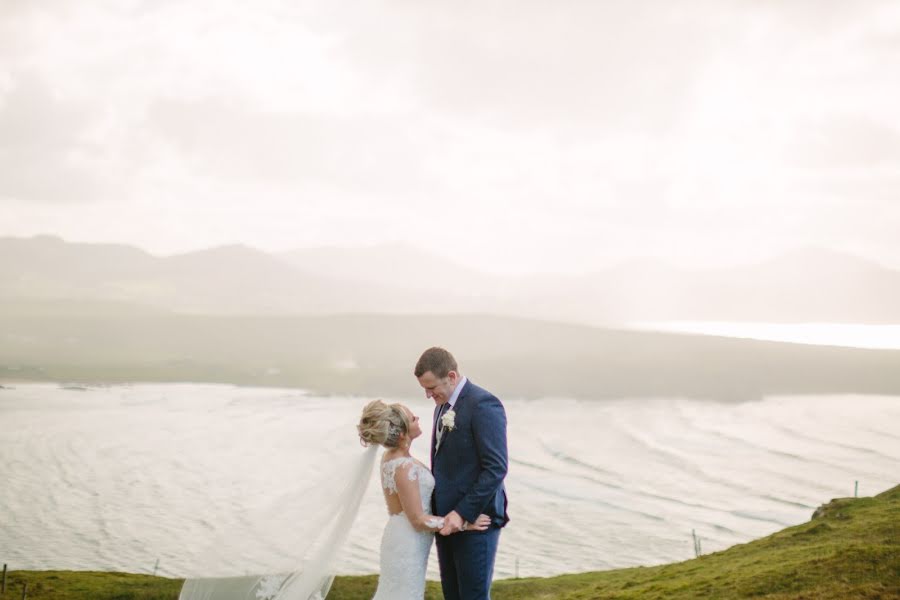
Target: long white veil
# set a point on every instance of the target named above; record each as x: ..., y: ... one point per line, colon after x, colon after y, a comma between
x: 312, y: 541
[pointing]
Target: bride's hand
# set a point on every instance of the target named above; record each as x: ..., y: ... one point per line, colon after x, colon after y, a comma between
x: 481, y: 524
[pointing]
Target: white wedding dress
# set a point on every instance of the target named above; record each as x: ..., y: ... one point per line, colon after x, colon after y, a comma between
x: 404, y: 551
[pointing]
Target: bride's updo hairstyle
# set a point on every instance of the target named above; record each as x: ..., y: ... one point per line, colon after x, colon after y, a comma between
x: 382, y: 424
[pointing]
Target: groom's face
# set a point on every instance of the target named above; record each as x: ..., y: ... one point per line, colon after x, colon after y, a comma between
x: 439, y: 389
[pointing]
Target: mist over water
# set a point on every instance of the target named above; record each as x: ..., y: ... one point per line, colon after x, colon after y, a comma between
x: 200, y: 477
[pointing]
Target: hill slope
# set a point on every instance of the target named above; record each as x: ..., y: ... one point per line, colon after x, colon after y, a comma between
x: 851, y: 552
x: 373, y: 355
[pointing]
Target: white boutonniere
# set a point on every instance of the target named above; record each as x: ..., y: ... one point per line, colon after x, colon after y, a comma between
x: 449, y: 420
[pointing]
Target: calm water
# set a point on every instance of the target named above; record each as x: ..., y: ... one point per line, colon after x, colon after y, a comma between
x: 121, y: 477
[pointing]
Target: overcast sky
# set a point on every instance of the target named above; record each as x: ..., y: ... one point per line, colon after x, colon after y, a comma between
x: 514, y: 136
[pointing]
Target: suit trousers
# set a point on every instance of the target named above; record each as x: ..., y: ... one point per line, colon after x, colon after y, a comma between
x: 466, y: 560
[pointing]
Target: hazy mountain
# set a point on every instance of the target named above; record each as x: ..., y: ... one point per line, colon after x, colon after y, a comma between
x: 401, y: 266
x: 224, y: 280
x: 111, y: 313
x: 810, y: 284
x: 806, y: 285
x: 49, y: 267
x: 239, y: 279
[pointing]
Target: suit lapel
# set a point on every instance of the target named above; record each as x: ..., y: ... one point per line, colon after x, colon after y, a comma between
x: 455, y: 408
x: 434, y: 418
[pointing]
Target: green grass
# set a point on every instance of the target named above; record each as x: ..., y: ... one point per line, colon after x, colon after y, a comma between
x: 852, y: 552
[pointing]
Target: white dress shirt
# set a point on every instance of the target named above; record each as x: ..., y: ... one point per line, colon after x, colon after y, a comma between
x: 456, y: 391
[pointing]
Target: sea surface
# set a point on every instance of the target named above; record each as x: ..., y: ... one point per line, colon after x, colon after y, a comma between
x: 190, y: 480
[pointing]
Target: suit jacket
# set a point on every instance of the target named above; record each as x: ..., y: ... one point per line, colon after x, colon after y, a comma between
x: 471, y: 462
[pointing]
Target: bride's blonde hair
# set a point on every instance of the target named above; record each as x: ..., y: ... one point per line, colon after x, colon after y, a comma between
x: 382, y: 424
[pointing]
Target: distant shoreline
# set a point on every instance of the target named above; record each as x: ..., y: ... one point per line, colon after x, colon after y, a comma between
x: 884, y: 336
x: 375, y: 355
x: 77, y: 386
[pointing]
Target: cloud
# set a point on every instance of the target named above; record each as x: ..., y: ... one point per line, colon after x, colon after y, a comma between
x: 45, y: 152
x: 520, y: 65
x: 558, y: 135
x: 845, y: 142
x: 227, y: 139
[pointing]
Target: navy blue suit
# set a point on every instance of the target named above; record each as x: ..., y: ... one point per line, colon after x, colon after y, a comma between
x: 469, y: 467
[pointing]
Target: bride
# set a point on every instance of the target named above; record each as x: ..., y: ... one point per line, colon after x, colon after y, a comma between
x: 329, y: 510
x: 407, y: 485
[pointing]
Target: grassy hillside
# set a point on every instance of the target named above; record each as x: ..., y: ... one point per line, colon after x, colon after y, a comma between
x: 374, y: 355
x: 851, y: 552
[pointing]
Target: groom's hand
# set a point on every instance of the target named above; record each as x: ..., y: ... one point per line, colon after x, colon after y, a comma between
x: 452, y: 523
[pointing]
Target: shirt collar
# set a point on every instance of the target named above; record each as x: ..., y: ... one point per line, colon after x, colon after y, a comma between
x: 456, y: 391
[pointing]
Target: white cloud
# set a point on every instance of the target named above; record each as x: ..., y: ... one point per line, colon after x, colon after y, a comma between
x: 546, y: 136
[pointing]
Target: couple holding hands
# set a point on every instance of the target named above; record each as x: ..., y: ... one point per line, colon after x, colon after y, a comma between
x: 461, y: 498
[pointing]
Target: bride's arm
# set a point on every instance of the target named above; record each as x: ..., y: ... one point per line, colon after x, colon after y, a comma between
x: 411, y: 500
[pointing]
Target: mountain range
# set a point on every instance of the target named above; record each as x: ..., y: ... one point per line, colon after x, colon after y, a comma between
x: 46, y: 273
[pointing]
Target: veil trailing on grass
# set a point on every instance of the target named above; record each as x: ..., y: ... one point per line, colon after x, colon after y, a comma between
x: 311, y: 540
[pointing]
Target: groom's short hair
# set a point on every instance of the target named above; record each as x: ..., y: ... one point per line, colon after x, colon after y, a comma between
x: 438, y: 361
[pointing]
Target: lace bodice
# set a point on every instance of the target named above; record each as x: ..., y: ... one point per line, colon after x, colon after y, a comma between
x: 404, y: 551
x: 418, y: 471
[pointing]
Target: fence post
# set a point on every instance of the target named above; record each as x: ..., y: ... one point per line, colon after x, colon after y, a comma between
x: 3, y: 584
x: 856, y: 489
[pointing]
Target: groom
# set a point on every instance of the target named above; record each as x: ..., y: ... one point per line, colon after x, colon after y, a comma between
x: 469, y: 462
